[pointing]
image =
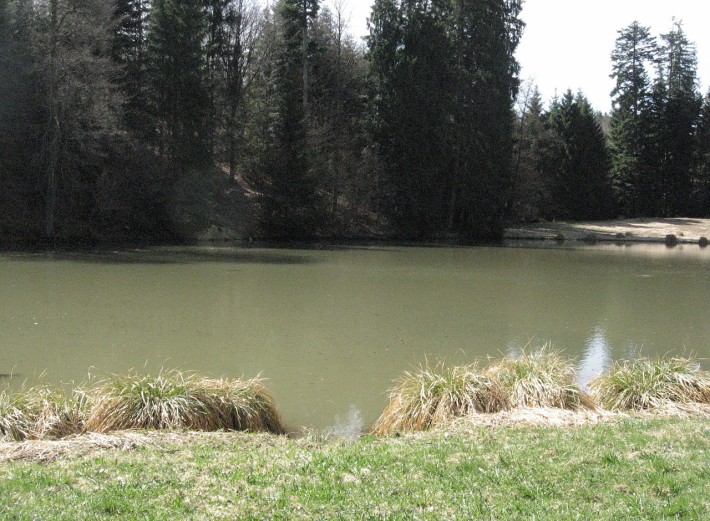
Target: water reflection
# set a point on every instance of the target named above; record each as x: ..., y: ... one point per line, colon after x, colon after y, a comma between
x: 596, y: 358
x: 349, y: 426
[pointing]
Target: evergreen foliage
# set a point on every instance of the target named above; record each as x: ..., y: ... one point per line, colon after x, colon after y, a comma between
x: 413, y: 113
x: 129, y: 51
x: 178, y: 77
x: 445, y: 80
x: 655, y: 124
x: 632, y: 58
x: 529, y: 196
x: 577, y: 161
x: 153, y: 119
x: 290, y: 204
x: 701, y: 193
x: 677, y: 114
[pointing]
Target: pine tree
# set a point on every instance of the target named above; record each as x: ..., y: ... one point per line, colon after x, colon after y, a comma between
x: 634, y: 53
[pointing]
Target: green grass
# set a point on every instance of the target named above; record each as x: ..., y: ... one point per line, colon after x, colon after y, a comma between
x: 652, y: 383
x: 636, y: 469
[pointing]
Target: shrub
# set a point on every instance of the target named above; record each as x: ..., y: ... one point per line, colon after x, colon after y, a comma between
x: 652, y: 383
x: 177, y: 400
x: 433, y: 396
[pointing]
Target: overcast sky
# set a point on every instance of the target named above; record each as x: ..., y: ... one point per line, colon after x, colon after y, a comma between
x: 567, y: 43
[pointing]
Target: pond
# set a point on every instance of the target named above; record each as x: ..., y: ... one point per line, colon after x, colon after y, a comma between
x: 332, y: 328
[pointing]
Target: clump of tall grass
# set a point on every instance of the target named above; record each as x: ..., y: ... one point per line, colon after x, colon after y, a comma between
x: 652, y: 383
x: 433, y: 396
x: 540, y: 378
x: 178, y: 400
x: 40, y: 413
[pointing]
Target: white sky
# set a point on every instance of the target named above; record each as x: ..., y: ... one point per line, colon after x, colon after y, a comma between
x: 567, y: 43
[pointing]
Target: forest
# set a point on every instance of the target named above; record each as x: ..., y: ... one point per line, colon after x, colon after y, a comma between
x: 153, y: 120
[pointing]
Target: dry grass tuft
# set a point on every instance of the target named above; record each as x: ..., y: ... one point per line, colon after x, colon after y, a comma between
x: 178, y: 400
x: 434, y: 396
x: 652, y: 383
x: 40, y: 413
x: 540, y: 378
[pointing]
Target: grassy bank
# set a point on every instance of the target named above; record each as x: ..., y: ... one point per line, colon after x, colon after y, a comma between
x: 633, y: 469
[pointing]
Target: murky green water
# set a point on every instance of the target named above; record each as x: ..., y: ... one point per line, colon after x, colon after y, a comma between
x: 331, y: 329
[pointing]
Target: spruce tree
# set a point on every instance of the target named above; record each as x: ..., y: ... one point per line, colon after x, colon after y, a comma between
x: 445, y: 81
x: 577, y: 164
x: 336, y: 115
x: 486, y: 34
x: 417, y: 145
x: 179, y: 89
x: 675, y: 119
x: 129, y: 51
x: 635, y: 51
x: 291, y: 207
x: 701, y: 196
x: 528, y: 197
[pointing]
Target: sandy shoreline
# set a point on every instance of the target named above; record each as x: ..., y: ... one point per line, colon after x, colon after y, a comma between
x: 686, y: 230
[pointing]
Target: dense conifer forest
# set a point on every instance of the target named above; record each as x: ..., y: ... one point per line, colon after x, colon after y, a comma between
x: 153, y: 120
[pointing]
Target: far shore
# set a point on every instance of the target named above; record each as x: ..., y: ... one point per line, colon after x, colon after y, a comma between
x: 686, y: 230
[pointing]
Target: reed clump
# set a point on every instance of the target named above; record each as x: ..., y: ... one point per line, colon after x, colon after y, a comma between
x: 540, y: 378
x: 434, y: 396
x: 652, y: 383
x: 41, y: 413
x: 179, y: 400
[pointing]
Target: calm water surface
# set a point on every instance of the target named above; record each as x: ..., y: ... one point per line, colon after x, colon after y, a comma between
x: 331, y: 329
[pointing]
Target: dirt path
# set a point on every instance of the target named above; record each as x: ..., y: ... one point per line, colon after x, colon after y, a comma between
x: 686, y: 230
